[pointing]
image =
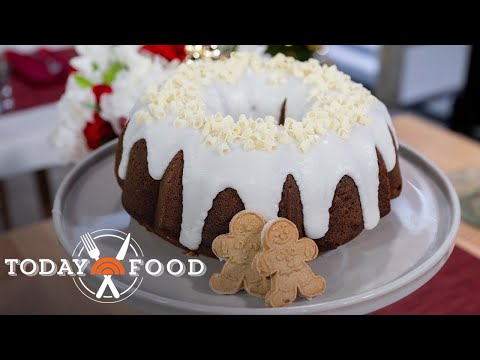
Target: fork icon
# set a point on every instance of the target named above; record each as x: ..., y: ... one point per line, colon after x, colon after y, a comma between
x: 94, y: 254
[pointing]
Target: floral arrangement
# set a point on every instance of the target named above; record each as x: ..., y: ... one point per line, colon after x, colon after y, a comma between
x: 106, y: 82
x: 102, y: 90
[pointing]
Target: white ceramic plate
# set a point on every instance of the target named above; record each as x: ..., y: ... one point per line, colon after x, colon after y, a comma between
x: 379, y: 267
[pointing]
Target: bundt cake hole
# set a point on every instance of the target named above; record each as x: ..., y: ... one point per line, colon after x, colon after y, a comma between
x: 257, y: 97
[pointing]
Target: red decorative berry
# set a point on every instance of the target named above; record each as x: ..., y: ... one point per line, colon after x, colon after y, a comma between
x: 98, y: 132
x: 99, y: 90
x: 169, y: 52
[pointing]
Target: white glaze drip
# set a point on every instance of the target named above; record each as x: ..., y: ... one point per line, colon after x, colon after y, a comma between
x: 258, y: 176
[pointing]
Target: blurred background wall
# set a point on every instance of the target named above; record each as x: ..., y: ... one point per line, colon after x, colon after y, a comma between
x: 423, y: 78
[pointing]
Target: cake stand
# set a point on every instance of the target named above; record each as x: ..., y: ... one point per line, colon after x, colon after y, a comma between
x: 378, y: 268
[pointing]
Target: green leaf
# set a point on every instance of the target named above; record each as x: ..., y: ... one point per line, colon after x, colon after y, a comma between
x: 112, y: 72
x: 91, y: 105
x: 299, y: 52
x: 82, y: 82
x: 95, y: 66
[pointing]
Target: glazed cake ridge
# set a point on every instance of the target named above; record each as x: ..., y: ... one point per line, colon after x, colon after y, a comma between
x: 353, y: 174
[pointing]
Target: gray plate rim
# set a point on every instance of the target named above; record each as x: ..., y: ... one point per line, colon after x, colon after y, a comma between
x: 405, y: 151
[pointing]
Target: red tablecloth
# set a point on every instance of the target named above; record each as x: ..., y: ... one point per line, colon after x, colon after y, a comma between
x: 32, y: 83
x: 454, y: 290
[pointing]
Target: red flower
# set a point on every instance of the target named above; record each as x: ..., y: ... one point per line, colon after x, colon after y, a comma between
x: 99, y: 90
x: 98, y: 132
x: 169, y: 52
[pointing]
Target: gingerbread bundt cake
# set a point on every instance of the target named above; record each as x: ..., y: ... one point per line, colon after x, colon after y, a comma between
x: 214, y: 139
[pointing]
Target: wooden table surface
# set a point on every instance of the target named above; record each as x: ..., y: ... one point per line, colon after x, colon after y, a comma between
x: 449, y: 151
x: 58, y: 295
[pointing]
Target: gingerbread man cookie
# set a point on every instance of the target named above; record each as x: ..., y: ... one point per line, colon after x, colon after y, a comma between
x: 238, y: 248
x: 284, y: 259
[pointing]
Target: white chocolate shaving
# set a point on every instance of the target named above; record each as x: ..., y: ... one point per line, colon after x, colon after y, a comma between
x: 335, y: 103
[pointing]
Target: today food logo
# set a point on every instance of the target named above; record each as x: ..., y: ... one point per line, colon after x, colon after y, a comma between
x: 127, y: 261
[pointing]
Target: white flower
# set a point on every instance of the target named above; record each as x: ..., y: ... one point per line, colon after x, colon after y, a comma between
x: 69, y: 142
x: 93, y: 61
x: 74, y: 110
x: 129, y: 85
